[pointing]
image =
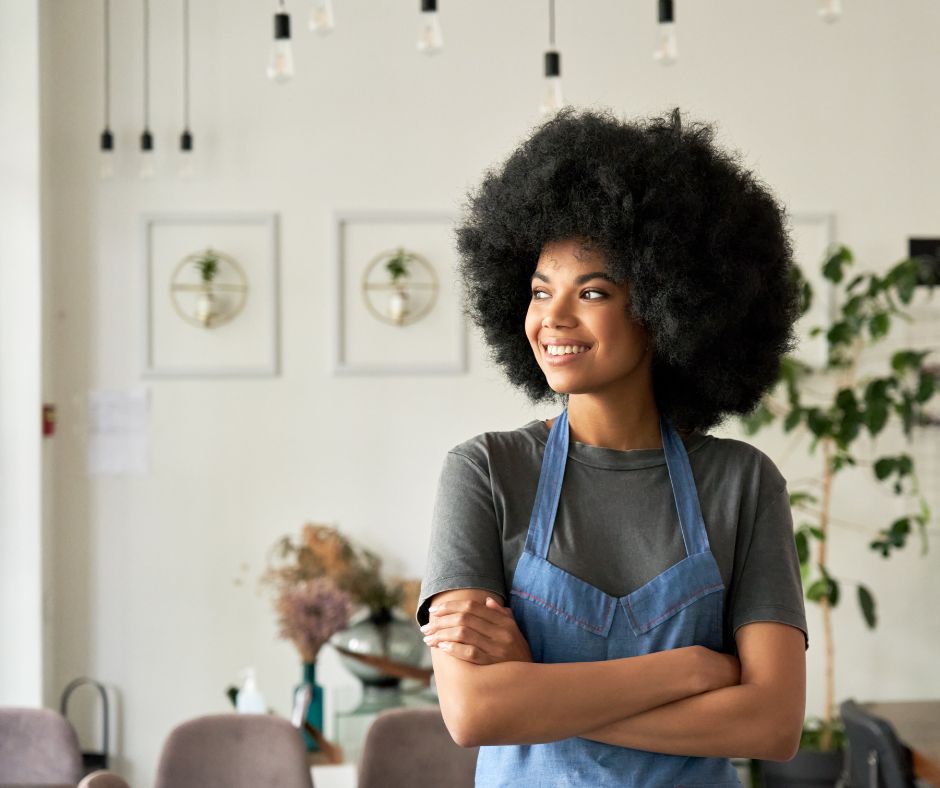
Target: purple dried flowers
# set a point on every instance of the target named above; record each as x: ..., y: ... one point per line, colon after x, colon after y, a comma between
x: 310, y: 611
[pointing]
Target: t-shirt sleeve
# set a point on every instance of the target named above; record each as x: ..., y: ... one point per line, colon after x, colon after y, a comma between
x: 465, y: 549
x: 768, y: 585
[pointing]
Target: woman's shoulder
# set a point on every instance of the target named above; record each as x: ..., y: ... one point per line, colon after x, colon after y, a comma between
x: 739, y: 459
x: 501, y: 445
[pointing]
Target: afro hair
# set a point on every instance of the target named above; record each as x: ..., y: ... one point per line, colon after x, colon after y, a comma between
x: 700, y: 240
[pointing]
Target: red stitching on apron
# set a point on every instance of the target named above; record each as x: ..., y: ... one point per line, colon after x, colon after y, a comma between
x: 652, y: 622
x: 566, y: 614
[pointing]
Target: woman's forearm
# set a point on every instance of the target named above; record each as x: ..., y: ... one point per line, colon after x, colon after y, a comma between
x: 532, y: 703
x: 731, y: 722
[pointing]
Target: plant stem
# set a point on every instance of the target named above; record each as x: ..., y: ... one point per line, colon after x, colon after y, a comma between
x: 826, y: 736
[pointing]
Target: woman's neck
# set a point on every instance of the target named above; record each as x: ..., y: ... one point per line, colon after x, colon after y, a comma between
x: 600, y: 421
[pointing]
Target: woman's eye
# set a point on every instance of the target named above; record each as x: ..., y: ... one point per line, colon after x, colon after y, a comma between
x: 535, y: 294
x: 601, y: 293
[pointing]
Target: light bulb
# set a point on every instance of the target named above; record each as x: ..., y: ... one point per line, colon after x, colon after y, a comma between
x: 668, y: 50
x: 552, y: 100
x: 146, y: 155
x: 430, y: 39
x: 106, y: 157
x: 281, y: 64
x: 830, y: 10
x: 187, y: 167
x: 321, y: 17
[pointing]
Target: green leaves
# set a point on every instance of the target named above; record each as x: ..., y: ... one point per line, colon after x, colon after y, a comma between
x: 757, y: 418
x: 905, y: 360
x: 826, y: 587
x: 902, y: 466
x: 867, y: 603
x: 893, y: 537
x: 832, y: 268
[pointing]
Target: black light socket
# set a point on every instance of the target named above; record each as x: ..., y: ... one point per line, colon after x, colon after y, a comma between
x: 927, y: 250
x: 146, y: 140
x: 281, y: 25
x: 186, y: 141
x: 666, y: 11
x: 428, y: 5
x: 107, y: 140
x: 552, y: 64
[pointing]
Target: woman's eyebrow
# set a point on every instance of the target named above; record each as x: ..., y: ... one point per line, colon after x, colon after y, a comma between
x: 581, y: 279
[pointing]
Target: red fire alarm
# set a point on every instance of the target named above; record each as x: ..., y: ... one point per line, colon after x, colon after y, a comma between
x: 48, y: 420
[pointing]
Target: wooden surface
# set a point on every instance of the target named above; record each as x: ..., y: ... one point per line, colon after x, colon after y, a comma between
x: 917, y: 723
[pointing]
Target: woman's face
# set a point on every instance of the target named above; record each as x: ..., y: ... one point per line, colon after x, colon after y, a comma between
x: 577, y: 307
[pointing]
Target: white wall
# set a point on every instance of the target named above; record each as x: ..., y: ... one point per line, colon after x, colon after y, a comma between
x: 834, y: 117
x: 21, y: 531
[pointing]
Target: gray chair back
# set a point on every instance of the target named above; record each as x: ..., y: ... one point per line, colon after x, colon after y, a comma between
x: 412, y: 746
x: 234, y: 751
x: 38, y: 746
x: 875, y: 757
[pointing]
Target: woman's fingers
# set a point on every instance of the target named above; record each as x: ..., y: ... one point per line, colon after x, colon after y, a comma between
x: 466, y: 653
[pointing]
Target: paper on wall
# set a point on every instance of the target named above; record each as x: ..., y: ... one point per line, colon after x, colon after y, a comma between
x: 119, y: 432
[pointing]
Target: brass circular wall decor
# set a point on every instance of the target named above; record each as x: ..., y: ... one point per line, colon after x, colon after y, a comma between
x: 208, y: 288
x: 399, y: 287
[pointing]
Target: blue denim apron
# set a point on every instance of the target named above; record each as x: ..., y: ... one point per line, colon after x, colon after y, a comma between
x: 565, y: 619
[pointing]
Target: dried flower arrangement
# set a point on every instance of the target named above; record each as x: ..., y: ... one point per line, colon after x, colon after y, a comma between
x: 318, y: 581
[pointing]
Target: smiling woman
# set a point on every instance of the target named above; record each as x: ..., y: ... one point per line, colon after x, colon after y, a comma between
x: 613, y: 596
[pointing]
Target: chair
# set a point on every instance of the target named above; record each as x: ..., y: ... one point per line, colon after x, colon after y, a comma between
x: 38, y: 746
x: 875, y: 757
x: 226, y: 751
x: 103, y: 779
x: 411, y: 746
x: 234, y: 751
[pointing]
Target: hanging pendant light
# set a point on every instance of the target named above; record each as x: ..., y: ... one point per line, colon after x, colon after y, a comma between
x: 667, y: 52
x: 430, y: 40
x: 321, y: 17
x: 830, y: 10
x: 106, y: 142
x: 187, y: 168
x: 146, y: 138
x: 281, y: 63
x: 552, y: 100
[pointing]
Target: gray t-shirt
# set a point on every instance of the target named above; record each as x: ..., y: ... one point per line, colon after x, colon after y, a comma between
x: 617, y: 527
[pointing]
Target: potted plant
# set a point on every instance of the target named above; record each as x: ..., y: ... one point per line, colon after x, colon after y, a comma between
x: 852, y: 404
x: 207, y: 307
x: 397, y: 267
x: 376, y: 643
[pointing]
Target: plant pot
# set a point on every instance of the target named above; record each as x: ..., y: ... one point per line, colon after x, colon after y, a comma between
x: 808, y: 769
x: 381, y: 633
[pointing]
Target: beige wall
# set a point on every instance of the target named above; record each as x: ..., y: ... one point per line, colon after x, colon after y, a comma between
x: 837, y: 118
x: 21, y: 509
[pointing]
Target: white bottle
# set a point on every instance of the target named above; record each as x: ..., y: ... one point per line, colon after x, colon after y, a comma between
x: 250, y: 700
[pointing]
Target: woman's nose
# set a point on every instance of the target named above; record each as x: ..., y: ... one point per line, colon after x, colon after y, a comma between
x: 557, y: 314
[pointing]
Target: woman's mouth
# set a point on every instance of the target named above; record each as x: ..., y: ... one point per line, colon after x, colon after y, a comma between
x: 559, y: 355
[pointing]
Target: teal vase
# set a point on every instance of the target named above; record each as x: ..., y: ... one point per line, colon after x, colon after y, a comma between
x: 315, y: 709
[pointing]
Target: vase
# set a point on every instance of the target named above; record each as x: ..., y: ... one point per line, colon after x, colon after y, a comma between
x: 381, y: 633
x: 314, y: 714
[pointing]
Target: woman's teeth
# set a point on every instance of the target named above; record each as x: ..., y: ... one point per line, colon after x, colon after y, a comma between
x: 562, y: 350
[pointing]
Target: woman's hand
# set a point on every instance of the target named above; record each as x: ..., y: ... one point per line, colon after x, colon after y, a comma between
x: 477, y: 632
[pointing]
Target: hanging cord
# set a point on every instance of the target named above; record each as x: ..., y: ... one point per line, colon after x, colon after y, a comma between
x: 551, y: 23
x: 146, y: 64
x: 186, y: 65
x: 107, y: 63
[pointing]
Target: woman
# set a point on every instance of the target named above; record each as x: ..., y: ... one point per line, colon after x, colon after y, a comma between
x: 655, y: 625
